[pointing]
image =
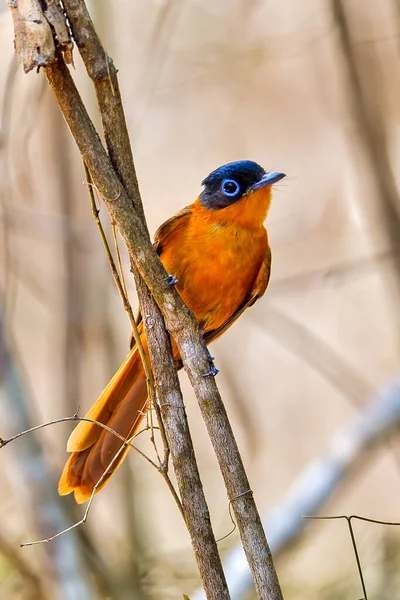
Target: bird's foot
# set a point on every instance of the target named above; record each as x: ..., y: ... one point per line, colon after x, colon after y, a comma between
x: 210, y: 358
x: 213, y: 369
x: 212, y: 372
x: 171, y: 280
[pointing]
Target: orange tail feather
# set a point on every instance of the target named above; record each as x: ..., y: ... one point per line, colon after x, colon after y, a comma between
x: 120, y: 406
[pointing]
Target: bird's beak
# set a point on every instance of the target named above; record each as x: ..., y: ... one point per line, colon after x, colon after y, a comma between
x: 267, y: 179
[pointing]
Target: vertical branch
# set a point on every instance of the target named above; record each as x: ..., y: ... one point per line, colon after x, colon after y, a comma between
x: 72, y: 281
x: 366, y: 116
x: 356, y: 554
x: 34, y: 589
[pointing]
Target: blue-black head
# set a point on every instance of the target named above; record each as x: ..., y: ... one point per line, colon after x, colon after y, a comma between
x: 229, y: 183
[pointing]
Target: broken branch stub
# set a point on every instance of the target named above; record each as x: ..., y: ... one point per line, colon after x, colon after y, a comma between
x: 39, y: 27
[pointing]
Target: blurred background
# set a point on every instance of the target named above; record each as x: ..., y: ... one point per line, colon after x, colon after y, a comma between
x: 306, y: 87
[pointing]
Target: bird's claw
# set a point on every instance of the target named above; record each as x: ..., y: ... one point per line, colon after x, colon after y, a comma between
x: 212, y: 372
x: 210, y: 358
x: 171, y: 280
x: 213, y: 369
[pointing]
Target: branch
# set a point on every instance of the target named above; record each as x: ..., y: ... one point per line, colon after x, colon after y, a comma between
x: 25, y: 570
x: 34, y: 42
x: 367, y: 119
x: 348, y: 451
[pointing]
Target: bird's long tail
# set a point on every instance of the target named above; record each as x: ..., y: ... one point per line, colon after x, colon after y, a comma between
x: 121, y: 407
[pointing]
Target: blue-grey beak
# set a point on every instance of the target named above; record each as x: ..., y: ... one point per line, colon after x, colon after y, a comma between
x: 267, y: 179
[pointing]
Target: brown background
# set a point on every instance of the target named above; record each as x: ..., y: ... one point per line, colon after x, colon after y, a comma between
x: 204, y: 83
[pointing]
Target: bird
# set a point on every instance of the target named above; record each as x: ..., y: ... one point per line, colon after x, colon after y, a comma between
x: 217, y: 253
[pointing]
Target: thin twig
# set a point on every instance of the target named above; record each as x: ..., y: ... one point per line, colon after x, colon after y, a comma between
x: 89, y: 505
x: 75, y: 417
x: 126, y: 442
x: 349, y: 519
x: 119, y: 279
x: 121, y: 286
x: 121, y: 270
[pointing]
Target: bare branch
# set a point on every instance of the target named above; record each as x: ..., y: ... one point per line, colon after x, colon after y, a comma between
x: 75, y: 417
x: 34, y: 41
x: 35, y: 590
x: 174, y: 417
x: 369, y: 126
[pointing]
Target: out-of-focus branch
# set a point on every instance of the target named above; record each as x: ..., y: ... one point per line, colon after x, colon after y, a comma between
x: 33, y: 590
x: 348, y: 451
x: 316, y: 353
x: 66, y: 556
x: 366, y: 115
x: 72, y: 283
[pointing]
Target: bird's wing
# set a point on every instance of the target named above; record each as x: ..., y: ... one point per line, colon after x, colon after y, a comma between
x: 258, y: 290
x: 161, y: 239
x: 167, y: 229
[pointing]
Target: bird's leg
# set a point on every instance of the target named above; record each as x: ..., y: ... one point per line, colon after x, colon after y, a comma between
x: 171, y: 280
x: 213, y: 369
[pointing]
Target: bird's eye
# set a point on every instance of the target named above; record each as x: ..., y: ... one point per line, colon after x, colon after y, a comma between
x: 230, y: 187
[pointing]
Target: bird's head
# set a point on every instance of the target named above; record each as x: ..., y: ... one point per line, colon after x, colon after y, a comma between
x: 240, y: 191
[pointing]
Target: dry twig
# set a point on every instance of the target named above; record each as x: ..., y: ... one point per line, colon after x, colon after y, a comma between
x: 126, y: 442
x: 349, y: 519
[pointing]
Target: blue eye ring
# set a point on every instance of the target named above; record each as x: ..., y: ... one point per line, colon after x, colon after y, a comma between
x: 230, y: 187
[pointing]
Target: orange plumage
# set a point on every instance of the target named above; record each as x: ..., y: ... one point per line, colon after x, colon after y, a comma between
x: 217, y: 248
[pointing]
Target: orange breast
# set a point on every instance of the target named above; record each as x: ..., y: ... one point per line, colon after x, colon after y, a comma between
x: 216, y: 264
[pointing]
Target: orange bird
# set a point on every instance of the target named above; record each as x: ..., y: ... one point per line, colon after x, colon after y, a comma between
x: 218, y: 254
